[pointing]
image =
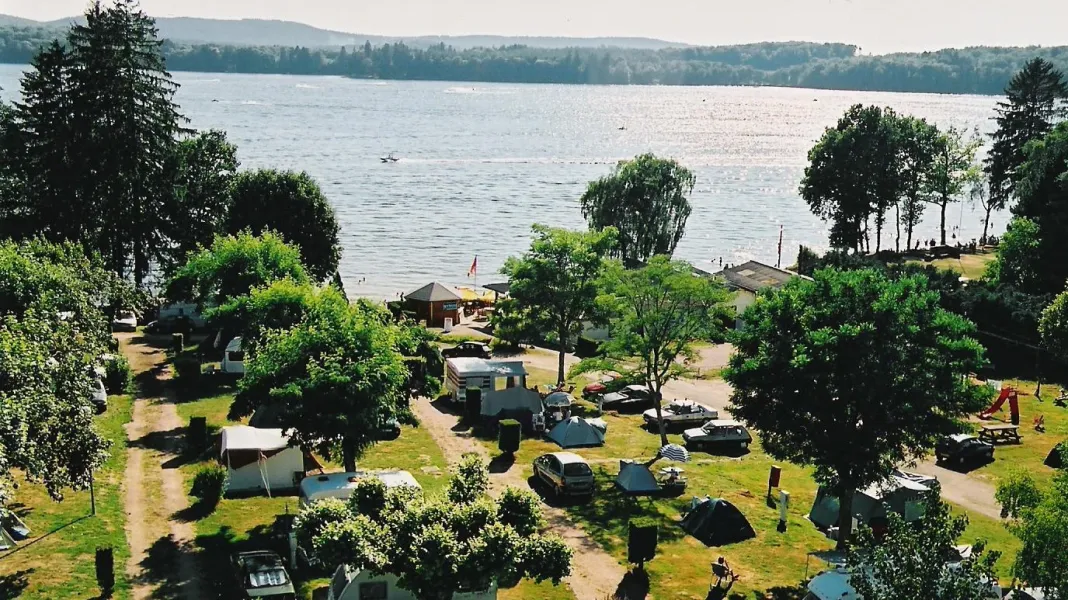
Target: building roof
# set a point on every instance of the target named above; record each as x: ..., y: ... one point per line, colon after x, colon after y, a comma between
x: 500, y: 288
x: 243, y: 437
x: 467, y: 365
x: 753, y: 276
x: 433, y: 292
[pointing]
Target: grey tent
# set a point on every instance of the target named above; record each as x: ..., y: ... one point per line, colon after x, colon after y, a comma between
x: 576, y: 432
x: 716, y: 522
x: 636, y: 479
x: 899, y: 495
x: 1058, y: 456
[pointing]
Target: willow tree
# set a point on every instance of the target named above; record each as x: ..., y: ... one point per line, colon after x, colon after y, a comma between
x: 645, y: 199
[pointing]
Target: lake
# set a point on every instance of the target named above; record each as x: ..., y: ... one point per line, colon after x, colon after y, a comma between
x: 479, y: 163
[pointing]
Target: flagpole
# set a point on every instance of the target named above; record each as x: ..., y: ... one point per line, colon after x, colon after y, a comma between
x: 778, y: 262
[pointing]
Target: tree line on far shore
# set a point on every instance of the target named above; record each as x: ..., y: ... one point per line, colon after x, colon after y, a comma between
x: 979, y: 70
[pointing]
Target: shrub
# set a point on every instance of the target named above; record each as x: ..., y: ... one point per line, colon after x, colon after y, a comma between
x: 177, y: 343
x: 368, y: 497
x: 105, y: 571
x: 209, y: 484
x: 196, y: 435
x: 520, y: 509
x: 642, y: 540
x: 509, y: 436
x: 187, y: 368
x: 311, y: 520
x: 117, y: 375
x: 470, y: 481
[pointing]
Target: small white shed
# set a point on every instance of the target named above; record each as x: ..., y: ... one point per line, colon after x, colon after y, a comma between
x: 351, y: 584
x: 259, y: 460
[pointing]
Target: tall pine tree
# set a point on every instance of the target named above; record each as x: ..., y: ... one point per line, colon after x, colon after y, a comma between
x: 1035, y: 101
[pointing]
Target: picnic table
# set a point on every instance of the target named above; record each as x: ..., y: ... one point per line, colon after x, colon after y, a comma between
x: 1000, y: 433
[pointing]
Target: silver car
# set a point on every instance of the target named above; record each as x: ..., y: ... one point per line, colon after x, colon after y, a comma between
x: 718, y: 433
x: 566, y: 474
x: 682, y: 412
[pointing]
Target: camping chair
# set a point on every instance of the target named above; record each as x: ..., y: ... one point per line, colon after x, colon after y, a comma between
x: 722, y: 572
x: 1040, y: 423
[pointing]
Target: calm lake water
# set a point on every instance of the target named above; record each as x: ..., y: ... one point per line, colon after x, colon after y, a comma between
x: 481, y: 162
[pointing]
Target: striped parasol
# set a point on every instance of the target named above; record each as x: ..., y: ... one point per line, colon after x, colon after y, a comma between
x: 674, y: 452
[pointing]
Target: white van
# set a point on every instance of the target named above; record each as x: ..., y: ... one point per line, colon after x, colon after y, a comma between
x: 233, y: 361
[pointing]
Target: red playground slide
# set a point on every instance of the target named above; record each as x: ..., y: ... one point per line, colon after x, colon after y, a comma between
x: 1007, y: 393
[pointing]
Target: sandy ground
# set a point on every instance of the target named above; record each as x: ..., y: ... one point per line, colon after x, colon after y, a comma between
x: 162, y: 553
x: 594, y: 574
x: 967, y: 492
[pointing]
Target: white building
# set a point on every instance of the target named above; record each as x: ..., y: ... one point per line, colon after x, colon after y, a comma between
x: 749, y: 279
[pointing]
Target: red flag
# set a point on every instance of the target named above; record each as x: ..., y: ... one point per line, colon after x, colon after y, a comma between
x: 474, y: 268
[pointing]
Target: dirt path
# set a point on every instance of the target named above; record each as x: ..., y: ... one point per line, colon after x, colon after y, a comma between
x: 594, y: 574
x: 162, y: 553
x: 966, y: 492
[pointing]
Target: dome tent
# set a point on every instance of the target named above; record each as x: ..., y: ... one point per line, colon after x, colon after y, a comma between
x: 716, y: 522
x: 636, y: 479
x: 576, y: 432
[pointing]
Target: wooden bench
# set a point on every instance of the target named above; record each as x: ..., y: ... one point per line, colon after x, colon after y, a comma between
x: 1000, y: 434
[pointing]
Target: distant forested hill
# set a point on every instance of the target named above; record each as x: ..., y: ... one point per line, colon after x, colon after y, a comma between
x: 979, y: 70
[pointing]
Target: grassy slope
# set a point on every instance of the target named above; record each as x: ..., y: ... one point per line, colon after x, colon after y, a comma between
x: 58, y: 561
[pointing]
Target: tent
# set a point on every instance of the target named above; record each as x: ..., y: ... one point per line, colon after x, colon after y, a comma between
x: 259, y: 459
x: 716, y: 522
x: 1057, y: 458
x: 636, y: 479
x: 510, y: 403
x: 576, y: 432
x: 899, y: 495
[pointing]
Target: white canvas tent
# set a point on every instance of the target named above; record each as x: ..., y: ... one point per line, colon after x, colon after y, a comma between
x: 636, y: 478
x: 576, y: 432
x: 259, y: 460
x: 351, y: 584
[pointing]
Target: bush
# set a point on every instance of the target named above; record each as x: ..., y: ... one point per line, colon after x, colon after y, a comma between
x: 196, y: 435
x: 117, y: 375
x: 312, y: 519
x: 642, y: 541
x: 470, y: 481
x: 187, y: 368
x: 177, y: 343
x: 509, y: 436
x: 520, y: 509
x: 368, y: 497
x: 209, y: 484
x: 105, y: 571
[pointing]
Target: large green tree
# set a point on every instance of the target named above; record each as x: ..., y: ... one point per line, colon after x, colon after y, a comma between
x: 910, y: 560
x: 853, y: 374
x: 917, y: 141
x: 645, y: 199
x: 1017, y: 262
x: 233, y: 266
x: 554, y: 285
x: 1040, y: 521
x: 658, y: 312
x: 440, y: 545
x: 202, y: 167
x: 952, y: 171
x: 338, y: 376
x: 1035, y: 101
x: 855, y: 175
x: 293, y: 206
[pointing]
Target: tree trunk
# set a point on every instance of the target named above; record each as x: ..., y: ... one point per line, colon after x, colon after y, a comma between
x: 908, y: 233
x: 986, y: 225
x: 348, y: 454
x: 845, y: 516
x: 658, y: 398
x: 878, y: 235
x: 560, y: 359
x: 897, y: 222
x: 945, y: 203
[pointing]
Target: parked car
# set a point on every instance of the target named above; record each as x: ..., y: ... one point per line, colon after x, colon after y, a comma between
x: 170, y: 325
x: 233, y: 360
x: 630, y: 397
x: 566, y: 474
x: 963, y: 448
x: 682, y: 412
x: 125, y: 320
x: 468, y: 349
x: 718, y: 433
x: 260, y: 574
x: 99, y: 397
x: 390, y: 430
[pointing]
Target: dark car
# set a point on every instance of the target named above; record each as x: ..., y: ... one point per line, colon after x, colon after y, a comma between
x: 390, y: 430
x: 632, y: 397
x: 261, y: 575
x: 962, y: 448
x: 468, y: 349
x: 170, y: 325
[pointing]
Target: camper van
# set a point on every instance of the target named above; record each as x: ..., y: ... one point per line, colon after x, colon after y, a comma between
x: 233, y: 361
x: 183, y: 310
x: 340, y: 485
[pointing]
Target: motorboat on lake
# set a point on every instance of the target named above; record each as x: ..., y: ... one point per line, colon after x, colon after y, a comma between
x: 389, y: 158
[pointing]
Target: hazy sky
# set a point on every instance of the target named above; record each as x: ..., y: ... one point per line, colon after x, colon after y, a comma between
x: 876, y: 25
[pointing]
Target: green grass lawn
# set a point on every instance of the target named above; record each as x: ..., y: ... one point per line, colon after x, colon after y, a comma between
x: 972, y: 266
x: 58, y: 560
x: 1030, y: 455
